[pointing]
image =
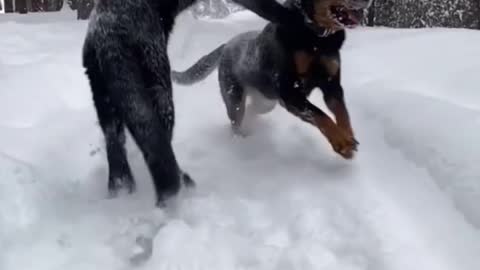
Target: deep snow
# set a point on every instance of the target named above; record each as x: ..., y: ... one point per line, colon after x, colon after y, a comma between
x: 278, y: 199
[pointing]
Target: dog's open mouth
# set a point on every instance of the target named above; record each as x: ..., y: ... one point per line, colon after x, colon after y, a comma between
x: 347, y: 17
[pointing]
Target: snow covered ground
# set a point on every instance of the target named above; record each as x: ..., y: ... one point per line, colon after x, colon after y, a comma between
x: 278, y: 199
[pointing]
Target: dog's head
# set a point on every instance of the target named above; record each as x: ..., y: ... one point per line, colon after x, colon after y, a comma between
x: 335, y: 15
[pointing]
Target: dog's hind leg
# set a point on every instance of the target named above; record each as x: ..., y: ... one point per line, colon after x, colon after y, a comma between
x: 127, y: 91
x: 120, y: 175
x: 113, y: 128
x: 233, y: 95
x: 155, y: 67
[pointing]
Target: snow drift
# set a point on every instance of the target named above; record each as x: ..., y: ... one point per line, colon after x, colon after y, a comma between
x: 278, y: 199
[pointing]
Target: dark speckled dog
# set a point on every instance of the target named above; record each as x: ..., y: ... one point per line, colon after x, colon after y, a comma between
x: 284, y: 64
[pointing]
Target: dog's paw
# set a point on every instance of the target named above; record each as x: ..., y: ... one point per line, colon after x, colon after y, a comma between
x: 187, y: 180
x: 350, y: 142
x: 345, y: 146
x: 125, y: 182
x: 342, y: 142
x: 238, y: 132
x: 143, y: 251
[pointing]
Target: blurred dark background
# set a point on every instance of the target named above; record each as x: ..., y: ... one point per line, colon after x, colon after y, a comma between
x: 390, y: 13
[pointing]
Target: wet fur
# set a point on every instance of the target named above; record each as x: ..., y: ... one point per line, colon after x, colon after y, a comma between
x: 126, y: 62
x: 281, y: 64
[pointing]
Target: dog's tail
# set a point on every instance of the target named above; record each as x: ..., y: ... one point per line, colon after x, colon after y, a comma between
x: 201, y: 69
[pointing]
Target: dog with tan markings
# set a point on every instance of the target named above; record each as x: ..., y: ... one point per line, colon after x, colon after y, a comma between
x: 283, y: 64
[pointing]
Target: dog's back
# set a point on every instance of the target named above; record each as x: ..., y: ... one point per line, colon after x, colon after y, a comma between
x: 235, y: 50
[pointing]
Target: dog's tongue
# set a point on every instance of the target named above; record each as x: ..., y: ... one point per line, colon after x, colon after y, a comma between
x: 355, y: 16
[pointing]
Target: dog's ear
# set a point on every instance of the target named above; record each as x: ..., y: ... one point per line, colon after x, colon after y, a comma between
x: 308, y: 7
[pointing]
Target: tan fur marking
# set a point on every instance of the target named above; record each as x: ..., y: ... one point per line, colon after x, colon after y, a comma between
x: 341, y: 116
x: 303, y: 61
x: 341, y: 142
x: 332, y: 65
x: 322, y: 15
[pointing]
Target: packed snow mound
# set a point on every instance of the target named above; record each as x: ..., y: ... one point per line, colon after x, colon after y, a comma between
x: 278, y: 199
x: 18, y: 194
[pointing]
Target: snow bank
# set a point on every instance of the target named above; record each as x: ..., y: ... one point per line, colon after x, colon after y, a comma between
x: 422, y: 128
x: 18, y: 195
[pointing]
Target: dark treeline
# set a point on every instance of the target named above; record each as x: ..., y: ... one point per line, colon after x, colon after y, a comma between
x: 425, y: 13
x: 390, y: 13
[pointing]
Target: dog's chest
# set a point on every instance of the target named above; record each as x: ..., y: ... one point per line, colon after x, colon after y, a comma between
x: 312, y: 67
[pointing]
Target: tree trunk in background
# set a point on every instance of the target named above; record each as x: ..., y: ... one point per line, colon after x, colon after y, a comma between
x: 370, y: 18
x: 44, y: 5
x: 59, y: 5
x: 21, y: 6
x: 84, y: 8
x: 477, y: 7
x: 29, y: 5
x: 37, y: 5
x: 9, y: 6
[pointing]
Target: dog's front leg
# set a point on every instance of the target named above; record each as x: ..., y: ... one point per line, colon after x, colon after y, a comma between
x: 333, y: 96
x: 341, y: 141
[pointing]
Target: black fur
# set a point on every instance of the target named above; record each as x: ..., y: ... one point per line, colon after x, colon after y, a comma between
x: 126, y: 61
x: 261, y: 65
x: 202, y: 68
